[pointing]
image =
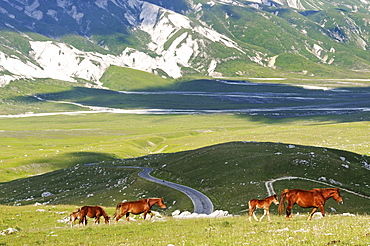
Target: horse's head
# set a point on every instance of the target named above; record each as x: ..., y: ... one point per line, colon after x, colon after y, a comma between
x: 161, y: 203
x: 74, y: 216
x: 331, y: 192
x: 337, y: 197
x: 276, y: 201
x: 107, y: 220
x: 158, y: 201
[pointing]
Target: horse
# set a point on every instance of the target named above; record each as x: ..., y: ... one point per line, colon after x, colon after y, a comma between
x: 90, y: 211
x: 315, y: 199
x: 263, y: 204
x: 75, y: 215
x: 137, y: 207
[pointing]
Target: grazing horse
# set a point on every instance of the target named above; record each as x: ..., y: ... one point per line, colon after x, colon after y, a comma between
x: 90, y: 211
x: 307, y: 199
x: 75, y: 215
x: 263, y: 204
x: 137, y: 207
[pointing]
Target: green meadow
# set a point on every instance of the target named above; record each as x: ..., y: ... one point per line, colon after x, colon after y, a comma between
x: 228, y: 157
x: 47, y: 225
x: 35, y: 145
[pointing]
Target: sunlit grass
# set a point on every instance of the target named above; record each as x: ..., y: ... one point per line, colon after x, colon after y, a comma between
x: 40, y: 144
x: 46, y: 225
x: 230, y: 174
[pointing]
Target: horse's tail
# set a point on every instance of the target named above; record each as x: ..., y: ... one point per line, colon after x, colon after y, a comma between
x: 119, y: 205
x: 249, y: 206
x: 281, y: 207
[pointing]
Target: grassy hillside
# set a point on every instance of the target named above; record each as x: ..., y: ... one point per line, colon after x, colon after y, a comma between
x: 43, y: 225
x: 126, y: 79
x: 57, y: 145
x: 17, y: 97
x: 230, y: 174
x: 36, y: 145
x: 275, y: 31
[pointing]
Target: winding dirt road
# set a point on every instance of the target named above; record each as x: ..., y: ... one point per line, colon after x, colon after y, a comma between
x: 202, y: 204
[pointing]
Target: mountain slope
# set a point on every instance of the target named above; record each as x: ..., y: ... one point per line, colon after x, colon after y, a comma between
x: 229, y: 173
x: 72, y: 40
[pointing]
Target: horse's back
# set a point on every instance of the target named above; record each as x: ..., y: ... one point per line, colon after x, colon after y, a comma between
x: 92, y: 211
x: 305, y: 198
x: 252, y: 203
x: 299, y: 193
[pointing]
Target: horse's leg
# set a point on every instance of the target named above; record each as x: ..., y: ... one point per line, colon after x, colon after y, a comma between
x: 252, y: 212
x: 73, y: 219
x: 128, y: 216
x: 289, y: 211
x: 148, y: 212
x: 83, y: 220
x: 106, y: 219
x: 312, y: 213
x: 264, y: 214
x: 322, y: 210
x: 151, y: 214
x: 118, y: 217
x: 251, y: 209
x: 268, y: 215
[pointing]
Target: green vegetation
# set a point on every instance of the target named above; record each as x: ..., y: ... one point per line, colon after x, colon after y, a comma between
x: 229, y: 157
x: 53, y: 140
x: 126, y: 79
x: 17, y: 97
x: 169, y: 42
x: 207, y: 169
x: 43, y: 225
x: 44, y: 155
x: 12, y: 39
x: 82, y: 43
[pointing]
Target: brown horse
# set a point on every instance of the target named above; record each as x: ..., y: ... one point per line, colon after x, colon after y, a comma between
x: 263, y: 204
x: 307, y: 199
x: 90, y: 211
x: 137, y: 207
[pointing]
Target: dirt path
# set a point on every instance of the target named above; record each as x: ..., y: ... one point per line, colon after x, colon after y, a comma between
x: 202, y: 204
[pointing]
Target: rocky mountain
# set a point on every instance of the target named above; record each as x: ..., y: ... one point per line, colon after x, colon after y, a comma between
x: 78, y: 40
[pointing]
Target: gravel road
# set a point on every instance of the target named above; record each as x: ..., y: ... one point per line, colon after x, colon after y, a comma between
x: 202, y: 204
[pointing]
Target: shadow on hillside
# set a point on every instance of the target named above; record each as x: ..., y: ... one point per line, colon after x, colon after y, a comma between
x: 66, y: 160
x: 258, y: 101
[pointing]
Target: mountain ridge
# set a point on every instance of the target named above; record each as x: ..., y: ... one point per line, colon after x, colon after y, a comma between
x: 69, y: 40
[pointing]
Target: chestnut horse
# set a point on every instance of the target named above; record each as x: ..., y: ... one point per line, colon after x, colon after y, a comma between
x: 263, y: 204
x: 307, y: 199
x: 137, y: 207
x: 90, y: 211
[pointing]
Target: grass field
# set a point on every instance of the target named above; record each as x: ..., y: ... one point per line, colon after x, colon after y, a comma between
x: 44, y: 154
x: 39, y: 144
x: 46, y: 225
x: 229, y: 174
